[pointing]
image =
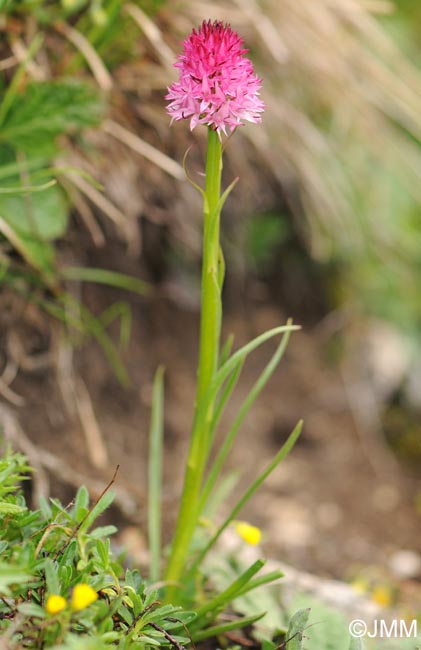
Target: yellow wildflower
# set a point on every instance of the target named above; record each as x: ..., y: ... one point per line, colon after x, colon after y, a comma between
x: 250, y: 534
x: 55, y: 604
x: 83, y: 595
x: 382, y: 596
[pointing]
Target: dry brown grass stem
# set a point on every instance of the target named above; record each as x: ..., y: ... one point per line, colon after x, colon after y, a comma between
x: 21, y: 56
x: 8, y: 62
x: 95, y: 63
x: 99, y: 199
x: 145, y: 149
x: 97, y: 450
x: 86, y: 214
x: 154, y: 36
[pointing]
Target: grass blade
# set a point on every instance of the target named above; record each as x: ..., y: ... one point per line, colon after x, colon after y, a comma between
x: 27, y: 189
x: 218, y: 630
x: 222, y: 599
x: 104, y: 276
x: 282, y: 453
x: 226, y: 350
x: 245, y: 407
x: 155, y: 474
x: 121, y: 310
x: 241, y: 354
x: 220, y: 406
x: 259, y: 582
x: 93, y: 326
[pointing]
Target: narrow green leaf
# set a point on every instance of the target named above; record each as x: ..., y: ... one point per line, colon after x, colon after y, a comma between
x: 119, y: 309
x: 222, y: 402
x: 27, y: 189
x: 213, y: 606
x: 231, y: 364
x: 104, y: 503
x: 282, y: 453
x: 218, y: 630
x: 241, y: 415
x: 105, y: 276
x: 155, y: 474
x: 93, y: 326
x: 220, y: 494
x: 189, y: 178
x: 260, y: 582
x: 81, y: 501
x: 226, y: 350
x: 14, y: 169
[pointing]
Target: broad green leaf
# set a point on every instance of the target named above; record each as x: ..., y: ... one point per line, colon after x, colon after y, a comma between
x: 31, y: 609
x: 10, y: 508
x: 41, y: 216
x: 11, y: 575
x: 298, y: 623
x: 51, y: 577
x: 38, y: 254
x: 328, y: 628
x: 45, y: 110
x: 103, y: 531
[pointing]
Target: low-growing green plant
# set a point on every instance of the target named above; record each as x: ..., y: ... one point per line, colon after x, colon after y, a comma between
x: 60, y: 580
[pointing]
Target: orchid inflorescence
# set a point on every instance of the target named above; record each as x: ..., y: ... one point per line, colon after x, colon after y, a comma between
x: 217, y: 85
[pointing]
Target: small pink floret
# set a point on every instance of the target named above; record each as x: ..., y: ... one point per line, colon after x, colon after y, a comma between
x: 217, y: 85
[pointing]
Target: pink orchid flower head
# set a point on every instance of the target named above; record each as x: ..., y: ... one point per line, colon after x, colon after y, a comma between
x: 217, y: 85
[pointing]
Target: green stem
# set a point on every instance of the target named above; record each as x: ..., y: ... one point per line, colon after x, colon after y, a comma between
x: 210, y: 327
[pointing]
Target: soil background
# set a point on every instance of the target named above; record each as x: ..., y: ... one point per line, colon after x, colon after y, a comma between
x: 339, y: 504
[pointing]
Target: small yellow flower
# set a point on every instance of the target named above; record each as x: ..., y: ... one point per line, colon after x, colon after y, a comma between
x: 382, y: 596
x: 55, y: 604
x: 83, y: 595
x: 250, y: 534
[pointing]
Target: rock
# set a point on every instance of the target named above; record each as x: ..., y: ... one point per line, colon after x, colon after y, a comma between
x: 405, y: 564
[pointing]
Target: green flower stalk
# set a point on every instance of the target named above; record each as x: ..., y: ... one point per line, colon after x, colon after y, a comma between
x: 217, y: 87
x: 210, y: 327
